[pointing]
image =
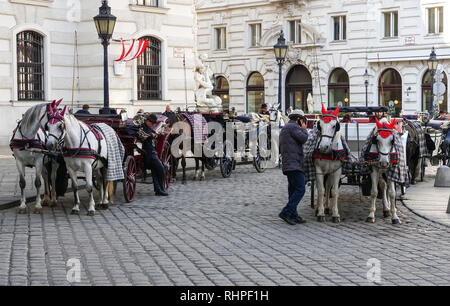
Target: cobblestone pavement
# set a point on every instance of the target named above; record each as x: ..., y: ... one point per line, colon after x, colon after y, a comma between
x: 221, y: 232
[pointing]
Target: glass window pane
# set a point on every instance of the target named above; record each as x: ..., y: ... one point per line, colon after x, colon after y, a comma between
x: 441, y: 20
x: 299, y: 32
x: 344, y: 27
x: 336, y: 28
x: 431, y: 20
x: 387, y: 24
x: 395, y: 24
x: 292, y: 31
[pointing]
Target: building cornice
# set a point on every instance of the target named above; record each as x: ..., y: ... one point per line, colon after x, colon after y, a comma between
x: 219, y: 8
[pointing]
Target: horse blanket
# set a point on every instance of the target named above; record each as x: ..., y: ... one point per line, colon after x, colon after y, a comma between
x: 116, y: 152
x: 309, y: 151
x: 418, y: 131
x: 199, y: 127
x: 397, y: 172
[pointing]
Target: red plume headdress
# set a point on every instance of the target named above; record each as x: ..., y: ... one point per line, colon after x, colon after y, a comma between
x: 328, y: 116
x: 385, y: 129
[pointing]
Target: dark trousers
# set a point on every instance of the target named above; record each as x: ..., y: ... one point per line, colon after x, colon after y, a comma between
x: 154, y: 164
x: 296, y: 189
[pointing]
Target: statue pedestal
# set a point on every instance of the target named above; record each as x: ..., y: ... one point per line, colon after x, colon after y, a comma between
x: 442, y: 177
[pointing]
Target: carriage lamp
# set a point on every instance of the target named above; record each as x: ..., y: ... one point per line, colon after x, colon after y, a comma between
x: 432, y: 66
x: 280, y: 50
x: 105, y: 23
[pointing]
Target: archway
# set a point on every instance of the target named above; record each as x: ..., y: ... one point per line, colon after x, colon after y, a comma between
x: 390, y: 89
x: 298, y: 87
x: 338, y: 88
x: 255, y: 92
x: 426, y: 92
x: 222, y: 89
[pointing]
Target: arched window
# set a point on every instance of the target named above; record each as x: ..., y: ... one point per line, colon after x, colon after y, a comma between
x: 390, y: 89
x: 338, y: 88
x: 30, y: 66
x: 255, y: 92
x: 298, y: 88
x: 222, y: 89
x: 426, y: 93
x: 149, y: 71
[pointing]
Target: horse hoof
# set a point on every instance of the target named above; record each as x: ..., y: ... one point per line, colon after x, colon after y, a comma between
x: 75, y: 212
x: 22, y: 211
x: 395, y: 221
x: 46, y: 203
x: 91, y: 213
x: 387, y: 214
x: 321, y: 219
x: 370, y: 220
x: 336, y: 220
x: 38, y: 211
x: 105, y: 206
x: 327, y: 211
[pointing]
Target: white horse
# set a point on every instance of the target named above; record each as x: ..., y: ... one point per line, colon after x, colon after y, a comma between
x: 328, y: 165
x: 82, y: 152
x: 383, y: 146
x: 26, y: 143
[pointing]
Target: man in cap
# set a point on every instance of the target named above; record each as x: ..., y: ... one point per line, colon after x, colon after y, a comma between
x: 292, y: 138
x: 264, y: 110
x: 146, y: 135
x: 169, y: 113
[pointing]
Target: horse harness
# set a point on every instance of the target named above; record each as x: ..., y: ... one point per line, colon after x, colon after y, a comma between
x: 374, y: 156
x: 335, y: 155
x: 25, y: 143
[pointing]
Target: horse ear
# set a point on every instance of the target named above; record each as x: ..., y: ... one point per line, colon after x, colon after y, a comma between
x: 379, y: 125
x: 58, y: 103
x: 64, y: 111
x: 392, y: 125
x: 50, y: 109
x: 324, y: 111
x: 336, y: 112
x: 52, y: 105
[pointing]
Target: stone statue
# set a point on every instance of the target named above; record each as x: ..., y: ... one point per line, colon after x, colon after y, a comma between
x: 206, y: 101
x: 310, y: 103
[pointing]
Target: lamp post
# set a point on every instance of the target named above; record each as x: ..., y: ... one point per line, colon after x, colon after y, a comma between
x: 280, y: 50
x: 432, y: 66
x: 366, y: 82
x: 105, y: 23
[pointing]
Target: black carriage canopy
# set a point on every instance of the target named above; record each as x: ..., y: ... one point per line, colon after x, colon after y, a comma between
x: 361, y: 109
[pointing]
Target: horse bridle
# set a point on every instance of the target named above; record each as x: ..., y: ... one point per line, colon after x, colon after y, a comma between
x: 377, y: 143
x: 336, y: 129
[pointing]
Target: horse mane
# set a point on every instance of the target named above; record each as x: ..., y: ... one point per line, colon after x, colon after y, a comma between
x: 31, y: 118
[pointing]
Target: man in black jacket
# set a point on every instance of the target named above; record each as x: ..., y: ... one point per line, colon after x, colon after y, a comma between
x: 152, y: 162
x: 292, y: 138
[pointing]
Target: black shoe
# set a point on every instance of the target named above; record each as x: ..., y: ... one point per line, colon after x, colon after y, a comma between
x: 299, y: 220
x: 289, y: 219
x: 161, y: 193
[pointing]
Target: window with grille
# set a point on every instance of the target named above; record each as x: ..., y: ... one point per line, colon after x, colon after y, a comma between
x: 30, y: 66
x: 149, y: 71
x: 154, y: 3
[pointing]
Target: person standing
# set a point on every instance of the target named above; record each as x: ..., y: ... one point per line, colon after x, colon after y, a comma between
x: 146, y: 134
x: 169, y: 113
x: 84, y: 111
x: 292, y: 138
x: 264, y: 110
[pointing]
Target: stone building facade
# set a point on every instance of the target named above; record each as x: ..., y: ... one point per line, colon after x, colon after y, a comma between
x: 331, y: 44
x: 38, y: 54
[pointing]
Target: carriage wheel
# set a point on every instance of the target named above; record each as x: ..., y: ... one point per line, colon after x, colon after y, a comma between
x: 129, y: 183
x: 167, y: 162
x: 259, y: 163
x: 211, y: 163
x: 226, y: 166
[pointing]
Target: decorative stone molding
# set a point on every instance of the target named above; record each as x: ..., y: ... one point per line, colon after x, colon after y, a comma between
x: 45, y: 3
x: 149, y: 9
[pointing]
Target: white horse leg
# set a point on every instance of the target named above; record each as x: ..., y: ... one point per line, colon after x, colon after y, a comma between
x: 386, y: 203
x: 328, y: 185
x: 320, y: 196
x: 373, y: 196
x: 392, y: 195
x: 90, y: 189
x: 46, y: 200
x: 23, y: 184
x: 38, y: 184
x: 76, y: 198
x: 335, y: 178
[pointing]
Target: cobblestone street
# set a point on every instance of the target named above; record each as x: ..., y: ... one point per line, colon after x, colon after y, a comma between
x: 220, y: 232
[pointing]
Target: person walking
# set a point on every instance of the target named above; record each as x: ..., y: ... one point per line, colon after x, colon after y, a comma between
x: 292, y: 138
x: 146, y: 134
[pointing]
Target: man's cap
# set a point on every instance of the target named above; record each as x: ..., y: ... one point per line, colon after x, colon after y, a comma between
x: 264, y: 106
x: 296, y: 113
x: 152, y: 118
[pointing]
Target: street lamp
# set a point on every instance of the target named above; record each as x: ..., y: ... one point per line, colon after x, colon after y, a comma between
x: 105, y: 23
x: 432, y: 66
x: 366, y: 82
x: 280, y: 50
